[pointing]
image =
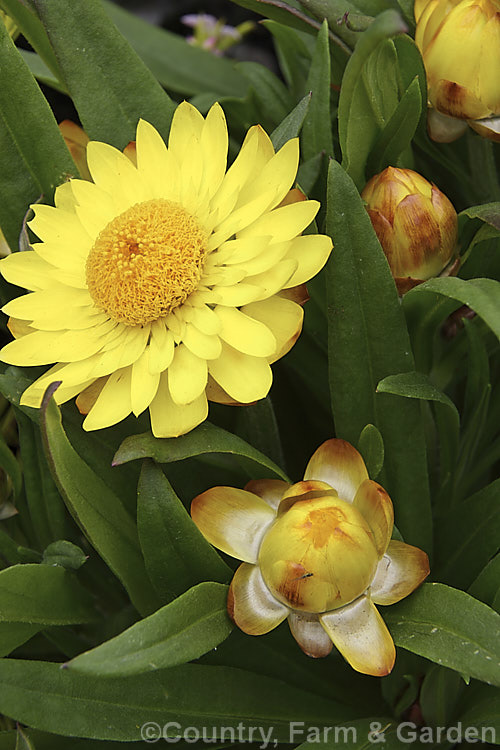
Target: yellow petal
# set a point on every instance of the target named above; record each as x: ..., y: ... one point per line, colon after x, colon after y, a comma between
x: 170, y: 420
x: 56, y: 225
x: 251, y: 605
x: 266, y: 259
x: 244, y: 333
x: 283, y: 223
x: 122, y: 348
x: 375, y: 505
x: 243, y: 377
x: 27, y: 270
x: 143, y: 385
x: 95, y: 207
x: 186, y: 123
x: 240, y: 251
x: 113, y: 403
x: 201, y: 344
x: 361, y: 636
x: 233, y: 520
x: 204, y: 318
x: 399, y: 572
x: 161, y: 347
x: 114, y: 173
x: 69, y: 387
x: 255, y: 152
x: 277, y: 175
x: 64, y: 198
x: 45, y: 309
x: 243, y: 218
x: 310, y: 634
x: 234, y: 296
x: 214, y: 145
x: 46, y: 347
x: 283, y: 317
x: 273, y: 281
x: 311, y: 251
x: 339, y: 464
x: 270, y: 490
x: 187, y: 376
x: 218, y: 395
x: 158, y: 168
x: 87, y: 398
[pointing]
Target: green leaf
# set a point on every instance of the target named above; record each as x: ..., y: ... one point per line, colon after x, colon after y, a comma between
x: 184, y: 630
x: 369, y: 92
x: 486, y: 586
x: 41, y: 72
x: 176, y: 64
x: 416, y: 385
x: 282, y: 12
x: 438, y: 697
x: 27, y: 117
x: 42, y: 595
x: 23, y: 742
x: 45, y: 505
x: 293, y: 56
x: 371, y: 447
x: 290, y: 127
x: 487, y: 212
x: 110, y: 86
x: 468, y: 536
x: 271, y: 95
x: 44, y: 696
x: 368, y: 340
x: 29, y: 25
x: 176, y: 554
x: 397, y: 135
x: 481, y: 710
x: 65, y: 554
x: 96, y: 509
x: 317, y: 128
x: 10, y: 465
x: 14, y: 634
x: 482, y: 295
x: 207, y: 438
x: 449, y: 627
x: 257, y: 424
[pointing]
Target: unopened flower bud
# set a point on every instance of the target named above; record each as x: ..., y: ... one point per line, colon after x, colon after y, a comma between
x: 415, y: 223
x: 460, y: 45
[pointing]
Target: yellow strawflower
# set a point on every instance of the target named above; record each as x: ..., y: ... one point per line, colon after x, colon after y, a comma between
x: 162, y: 285
x: 460, y: 45
x: 318, y: 553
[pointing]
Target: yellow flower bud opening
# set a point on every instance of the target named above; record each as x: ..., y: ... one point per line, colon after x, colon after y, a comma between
x: 460, y: 45
x: 319, y: 555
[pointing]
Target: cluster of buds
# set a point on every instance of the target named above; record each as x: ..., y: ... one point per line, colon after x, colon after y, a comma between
x: 318, y: 553
x: 460, y: 45
x: 415, y: 223
x: 213, y: 34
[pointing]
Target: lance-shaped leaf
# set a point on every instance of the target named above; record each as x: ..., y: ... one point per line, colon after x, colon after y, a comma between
x: 176, y: 554
x: 481, y: 295
x: 43, y: 595
x: 184, y: 630
x: 368, y: 340
x: 207, y: 438
x: 96, y: 509
x: 449, y: 627
x: 109, y: 84
x: 44, y: 696
x: 317, y: 128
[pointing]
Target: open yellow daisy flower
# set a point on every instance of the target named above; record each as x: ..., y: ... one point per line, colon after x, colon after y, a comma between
x: 163, y: 284
x: 319, y: 553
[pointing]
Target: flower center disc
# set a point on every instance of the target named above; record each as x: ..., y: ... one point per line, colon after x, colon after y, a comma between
x: 146, y: 262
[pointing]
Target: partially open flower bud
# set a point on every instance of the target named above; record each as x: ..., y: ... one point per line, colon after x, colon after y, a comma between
x: 415, y: 222
x: 460, y: 45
